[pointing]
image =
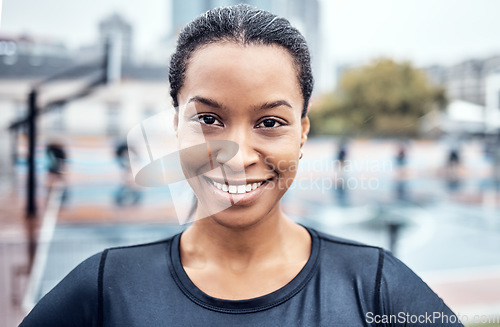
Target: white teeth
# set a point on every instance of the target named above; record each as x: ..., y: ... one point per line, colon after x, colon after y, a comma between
x: 237, y: 189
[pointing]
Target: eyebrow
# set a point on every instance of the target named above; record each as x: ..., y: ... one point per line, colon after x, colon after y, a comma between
x: 208, y: 102
x: 273, y: 104
x: 264, y: 106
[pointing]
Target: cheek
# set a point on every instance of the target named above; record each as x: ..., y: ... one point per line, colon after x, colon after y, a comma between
x: 192, y: 149
x: 286, y: 168
x: 283, y: 162
x: 282, y: 153
x: 189, y: 133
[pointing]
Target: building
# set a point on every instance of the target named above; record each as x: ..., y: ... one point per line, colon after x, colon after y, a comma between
x: 115, y: 26
x: 473, y: 86
x: 492, y: 114
x: 466, y: 80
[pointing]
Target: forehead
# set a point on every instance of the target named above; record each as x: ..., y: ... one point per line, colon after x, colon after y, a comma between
x: 228, y: 70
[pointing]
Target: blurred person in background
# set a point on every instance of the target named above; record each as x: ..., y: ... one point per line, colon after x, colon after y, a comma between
x: 242, y: 75
x: 453, y: 166
x: 400, y: 183
x: 342, y: 153
x: 127, y: 193
x: 123, y: 158
x: 56, y: 166
x: 401, y: 156
x: 56, y: 160
x: 339, y: 178
x: 454, y: 159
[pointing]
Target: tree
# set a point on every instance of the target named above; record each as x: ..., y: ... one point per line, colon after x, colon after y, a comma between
x: 383, y: 98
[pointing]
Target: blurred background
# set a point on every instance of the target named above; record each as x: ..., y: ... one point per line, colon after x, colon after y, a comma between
x: 404, y: 150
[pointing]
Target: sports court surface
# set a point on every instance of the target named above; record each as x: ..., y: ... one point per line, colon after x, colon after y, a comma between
x: 448, y: 228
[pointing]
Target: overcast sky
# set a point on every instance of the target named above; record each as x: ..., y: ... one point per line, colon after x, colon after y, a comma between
x: 424, y: 31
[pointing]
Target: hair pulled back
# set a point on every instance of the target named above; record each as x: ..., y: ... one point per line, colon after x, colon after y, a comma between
x: 245, y: 25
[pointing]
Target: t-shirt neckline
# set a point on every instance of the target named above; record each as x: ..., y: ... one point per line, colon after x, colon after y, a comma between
x: 248, y: 305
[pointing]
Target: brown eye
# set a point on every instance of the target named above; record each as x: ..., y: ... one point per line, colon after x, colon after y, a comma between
x: 269, y: 123
x: 209, y: 120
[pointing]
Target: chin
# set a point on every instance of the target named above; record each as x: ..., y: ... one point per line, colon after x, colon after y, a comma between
x: 239, y: 218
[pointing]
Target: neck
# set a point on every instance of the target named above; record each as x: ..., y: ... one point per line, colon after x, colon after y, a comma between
x: 209, y: 241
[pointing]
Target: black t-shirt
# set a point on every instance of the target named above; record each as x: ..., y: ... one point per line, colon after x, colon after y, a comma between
x: 343, y: 283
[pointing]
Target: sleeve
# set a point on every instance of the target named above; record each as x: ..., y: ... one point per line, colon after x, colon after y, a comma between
x: 73, y: 302
x: 405, y: 300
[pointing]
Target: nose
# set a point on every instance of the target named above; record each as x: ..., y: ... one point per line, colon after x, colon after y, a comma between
x: 246, y: 156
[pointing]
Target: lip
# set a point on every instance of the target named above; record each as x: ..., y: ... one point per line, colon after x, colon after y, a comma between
x: 237, y: 182
x: 239, y: 199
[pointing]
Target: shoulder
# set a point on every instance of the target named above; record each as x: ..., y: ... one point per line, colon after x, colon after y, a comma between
x: 72, y: 302
x: 350, y: 264
x: 138, y: 251
x: 350, y: 253
x: 124, y: 268
x: 78, y: 299
x: 399, y: 281
x: 117, y: 261
x: 342, y: 242
x: 401, y: 292
x: 389, y: 285
x: 376, y: 263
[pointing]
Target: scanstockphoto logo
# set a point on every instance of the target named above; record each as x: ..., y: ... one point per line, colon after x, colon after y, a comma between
x: 432, y: 318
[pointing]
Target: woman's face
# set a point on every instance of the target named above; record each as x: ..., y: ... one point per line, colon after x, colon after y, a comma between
x: 249, y: 95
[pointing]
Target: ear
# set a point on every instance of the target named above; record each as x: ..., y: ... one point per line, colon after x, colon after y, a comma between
x: 306, y: 125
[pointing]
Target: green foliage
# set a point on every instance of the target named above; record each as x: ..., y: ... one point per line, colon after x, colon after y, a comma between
x: 383, y: 98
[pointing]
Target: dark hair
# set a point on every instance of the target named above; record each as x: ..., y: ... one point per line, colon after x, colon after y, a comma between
x: 245, y: 25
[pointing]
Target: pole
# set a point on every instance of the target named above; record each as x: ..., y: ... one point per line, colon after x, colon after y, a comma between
x: 111, y: 71
x: 31, y: 209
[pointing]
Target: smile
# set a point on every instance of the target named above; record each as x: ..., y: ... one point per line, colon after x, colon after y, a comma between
x: 237, y: 189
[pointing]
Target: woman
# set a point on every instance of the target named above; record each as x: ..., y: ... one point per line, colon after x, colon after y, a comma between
x: 241, y: 75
